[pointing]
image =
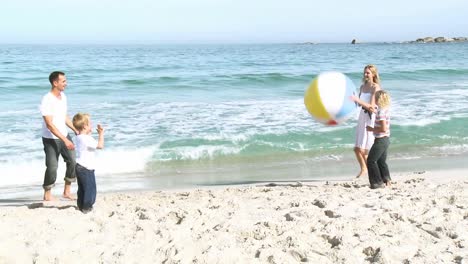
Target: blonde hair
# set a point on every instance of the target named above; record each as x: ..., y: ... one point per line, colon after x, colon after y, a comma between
x: 80, y: 120
x: 382, y: 99
x: 375, y: 73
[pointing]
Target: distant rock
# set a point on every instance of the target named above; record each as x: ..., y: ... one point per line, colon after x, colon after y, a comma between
x: 439, y: 40
x: 425, y: 40
x: 354, y: 41
x: 460, y: 39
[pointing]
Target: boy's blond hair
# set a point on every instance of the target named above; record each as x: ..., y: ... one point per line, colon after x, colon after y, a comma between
x: 375, y: 73
x: 80, y: 120
x: 382, y: 99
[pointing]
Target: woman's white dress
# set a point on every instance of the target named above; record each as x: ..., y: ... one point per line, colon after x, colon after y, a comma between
x: 364, y: 138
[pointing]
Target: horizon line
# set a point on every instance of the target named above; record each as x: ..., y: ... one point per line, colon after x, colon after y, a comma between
x: 206, y: 43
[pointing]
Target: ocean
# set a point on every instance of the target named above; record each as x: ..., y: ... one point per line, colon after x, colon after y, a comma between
x: 180, y: 116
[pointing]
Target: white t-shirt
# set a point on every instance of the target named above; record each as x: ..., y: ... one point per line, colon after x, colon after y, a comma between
x: 57, y: 108
x: 85, y: 146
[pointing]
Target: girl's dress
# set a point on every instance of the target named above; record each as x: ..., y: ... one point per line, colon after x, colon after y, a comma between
x: 364, y: 138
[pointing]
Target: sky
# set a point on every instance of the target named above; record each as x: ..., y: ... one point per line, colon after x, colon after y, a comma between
x: 228, y: 21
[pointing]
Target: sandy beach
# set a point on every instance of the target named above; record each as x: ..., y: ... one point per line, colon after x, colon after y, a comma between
x: 422, y: 218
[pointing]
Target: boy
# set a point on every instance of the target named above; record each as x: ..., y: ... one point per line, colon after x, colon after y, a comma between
x: 85, y: 149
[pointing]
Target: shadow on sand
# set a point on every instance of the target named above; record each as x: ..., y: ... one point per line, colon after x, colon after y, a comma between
x: 35, y: 204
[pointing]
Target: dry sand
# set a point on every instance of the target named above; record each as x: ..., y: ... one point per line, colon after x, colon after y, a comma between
x: 422, y: 218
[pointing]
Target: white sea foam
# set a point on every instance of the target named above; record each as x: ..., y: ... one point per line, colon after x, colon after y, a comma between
x: 16, y: 171
x: 16, y: 112
x: 451, y: 149
x: 429, y: 108
x: 195, y: 153
x: 328, y: 157
x: 21, y: 172
x: 233, y: 121
x: 122, y: 160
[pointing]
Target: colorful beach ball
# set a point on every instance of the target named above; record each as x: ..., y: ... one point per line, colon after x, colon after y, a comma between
x: 328, y: 98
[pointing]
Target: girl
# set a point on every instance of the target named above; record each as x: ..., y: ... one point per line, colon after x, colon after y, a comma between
x: 379, y: 176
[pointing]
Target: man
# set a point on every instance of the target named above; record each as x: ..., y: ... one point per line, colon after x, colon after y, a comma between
x: 55, y: 136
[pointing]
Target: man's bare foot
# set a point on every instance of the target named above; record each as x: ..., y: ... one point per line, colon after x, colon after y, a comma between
x: 389, y: 183
x: 361, y: 174
x: 67, y: 192
x: 48, y: 196
x: 69, y: 196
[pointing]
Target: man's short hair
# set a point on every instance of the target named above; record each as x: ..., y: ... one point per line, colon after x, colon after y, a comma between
x: 54, y: 76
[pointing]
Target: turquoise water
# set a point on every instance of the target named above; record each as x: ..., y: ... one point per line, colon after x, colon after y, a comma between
x: 182, y: 115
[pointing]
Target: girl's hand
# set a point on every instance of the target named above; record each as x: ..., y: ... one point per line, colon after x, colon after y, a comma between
x: 369, y: 128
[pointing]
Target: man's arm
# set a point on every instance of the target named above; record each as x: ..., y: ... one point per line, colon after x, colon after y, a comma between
x: 50, y: 125
x: 70, y: 125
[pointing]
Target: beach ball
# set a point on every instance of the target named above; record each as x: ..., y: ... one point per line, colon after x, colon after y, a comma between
x: 328, y: 98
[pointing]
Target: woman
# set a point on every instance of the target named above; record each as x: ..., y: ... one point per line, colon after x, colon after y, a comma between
x: 364, y: 138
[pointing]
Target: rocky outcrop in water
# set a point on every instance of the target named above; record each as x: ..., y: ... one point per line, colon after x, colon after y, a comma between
x: 439, y: 40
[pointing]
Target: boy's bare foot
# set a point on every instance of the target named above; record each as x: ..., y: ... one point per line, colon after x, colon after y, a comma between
x: 389, y: 183
x: 361, y: 174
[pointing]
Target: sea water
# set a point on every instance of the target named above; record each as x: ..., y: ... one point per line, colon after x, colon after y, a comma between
x: 190, y: 115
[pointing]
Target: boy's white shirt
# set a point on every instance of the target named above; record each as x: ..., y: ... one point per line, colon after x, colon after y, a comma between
x: 85, y: 146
